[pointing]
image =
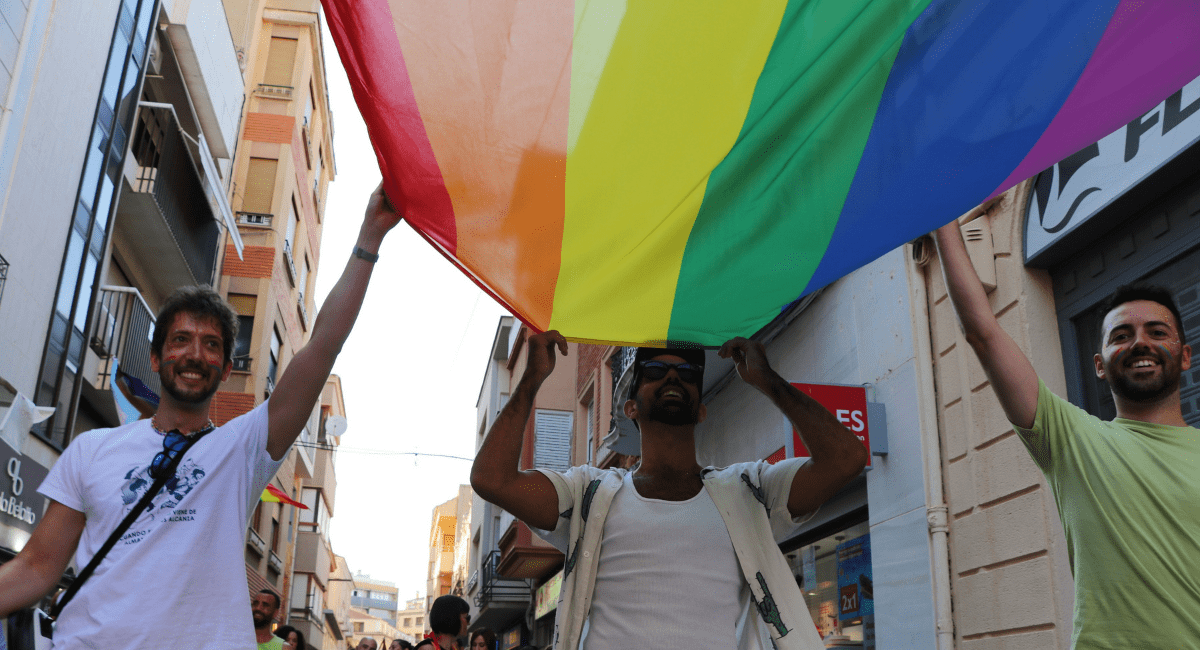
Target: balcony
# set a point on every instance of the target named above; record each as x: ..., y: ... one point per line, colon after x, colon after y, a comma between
x: 312, y: 555
x: 273, y: 92
x: 522, y: 555
x: 120, y: 337
x: 255, y: 542
x: 291, y: 263
x: 501, y: 601
x: 241, y: 364
x: 166, y: 228
x: 275, y: 562
x: 255, y: 219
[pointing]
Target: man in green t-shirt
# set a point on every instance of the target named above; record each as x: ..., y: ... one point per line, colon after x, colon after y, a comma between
x: 263, y: 607
x: 1127, y: 490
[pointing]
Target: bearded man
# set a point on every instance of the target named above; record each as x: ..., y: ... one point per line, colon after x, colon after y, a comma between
x: 672, y: 554
x: 1127, y: 489
x: 177, y: 577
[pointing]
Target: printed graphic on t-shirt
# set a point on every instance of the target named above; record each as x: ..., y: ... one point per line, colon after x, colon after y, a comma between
x: 187, y: 476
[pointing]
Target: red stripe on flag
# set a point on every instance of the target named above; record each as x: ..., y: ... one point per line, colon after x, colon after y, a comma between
x: 365, y: 35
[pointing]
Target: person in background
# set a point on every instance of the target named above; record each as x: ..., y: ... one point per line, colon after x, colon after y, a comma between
x: 448, y: 618
x: 482, y: 639
x: 292, y: 637
x: 424, y: 643
x: 366, y: 643
x: 263, y: 608
x: 400, y: 644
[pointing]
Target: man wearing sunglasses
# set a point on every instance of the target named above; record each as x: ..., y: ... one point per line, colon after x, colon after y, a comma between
x: 672, y: 554
x: 177, y: 577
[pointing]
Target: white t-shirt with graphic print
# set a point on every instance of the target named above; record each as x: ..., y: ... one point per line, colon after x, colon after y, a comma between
x: 177, y: 577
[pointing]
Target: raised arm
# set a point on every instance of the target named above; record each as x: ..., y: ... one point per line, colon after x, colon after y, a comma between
x: 495, y: 475
x: 1012, y: 377
x: 837, y: 454
x: 301, y: 384
x: 35, y: 570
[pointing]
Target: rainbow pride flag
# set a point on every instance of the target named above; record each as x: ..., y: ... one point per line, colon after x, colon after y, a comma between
x: 633, y: 171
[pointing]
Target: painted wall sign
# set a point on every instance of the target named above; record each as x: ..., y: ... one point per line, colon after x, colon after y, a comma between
x: 1082, y: 184
x: 856, y: 592
x: 847, y: 403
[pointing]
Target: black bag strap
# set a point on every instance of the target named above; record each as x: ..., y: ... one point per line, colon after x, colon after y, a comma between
x: 126, y: 523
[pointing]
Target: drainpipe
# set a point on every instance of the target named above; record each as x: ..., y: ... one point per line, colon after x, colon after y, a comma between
x: 936, y: 512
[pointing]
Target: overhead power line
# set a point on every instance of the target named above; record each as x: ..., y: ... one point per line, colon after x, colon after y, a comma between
x: 375, y: 452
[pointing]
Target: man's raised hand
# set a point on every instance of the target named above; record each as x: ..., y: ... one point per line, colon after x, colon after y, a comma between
x: 541, y: 354
x: 750, y: 359
x: 381, y: 215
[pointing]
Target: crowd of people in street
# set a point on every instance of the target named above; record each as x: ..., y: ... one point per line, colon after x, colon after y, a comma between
x: 669, y: 553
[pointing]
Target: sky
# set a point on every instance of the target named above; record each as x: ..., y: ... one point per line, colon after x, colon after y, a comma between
x: 411, y: 370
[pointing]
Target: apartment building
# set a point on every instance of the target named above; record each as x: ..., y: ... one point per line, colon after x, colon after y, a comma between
x: 280, y: 175
x: 411, y: 619
x: 119, y: 131
x: 448, y: 546
x: 508, y: 564
x: 379, y: 598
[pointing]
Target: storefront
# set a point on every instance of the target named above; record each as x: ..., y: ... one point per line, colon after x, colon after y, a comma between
x: 1125, y: 209
x: 864, y: 560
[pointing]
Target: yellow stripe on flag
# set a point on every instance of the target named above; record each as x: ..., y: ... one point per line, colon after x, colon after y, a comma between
x: 668, y: 107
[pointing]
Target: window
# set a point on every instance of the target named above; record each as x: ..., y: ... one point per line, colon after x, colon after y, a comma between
x: 552, y: 448
x: 308, y: 108
x: 591, y: 430
x: 259, y: 191
x: 276, y: 344
x: 293, y: 221
x: 420, y: 620
x: 302, y: 281
x: 275, y: 532
x: 316, y: 518
x: 281, y: 58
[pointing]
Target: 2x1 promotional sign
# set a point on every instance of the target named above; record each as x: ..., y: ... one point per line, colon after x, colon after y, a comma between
x: 847, y: 403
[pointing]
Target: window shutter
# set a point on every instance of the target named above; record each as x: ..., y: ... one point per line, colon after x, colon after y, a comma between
x: 260, y: 186
x: 281, y: 58
x: 553, y: 445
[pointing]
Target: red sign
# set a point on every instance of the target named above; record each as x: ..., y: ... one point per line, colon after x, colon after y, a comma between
x: 847, y: 403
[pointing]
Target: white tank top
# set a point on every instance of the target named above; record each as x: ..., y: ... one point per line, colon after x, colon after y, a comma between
x: 667, y: 576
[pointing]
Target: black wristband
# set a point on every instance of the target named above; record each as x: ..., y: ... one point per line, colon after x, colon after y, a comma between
x: 370, y: 257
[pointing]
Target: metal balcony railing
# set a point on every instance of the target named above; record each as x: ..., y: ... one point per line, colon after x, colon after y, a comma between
x: 241, y: 364
x: 495, y: 587
x: 122, y: 330
x: 255, y: 219
x: 277, y: 92
x: 167, y: 172
x: 291, y: 263
x: 255, y: 541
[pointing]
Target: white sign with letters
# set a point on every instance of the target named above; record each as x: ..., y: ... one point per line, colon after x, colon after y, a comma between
x: 1082, y: 184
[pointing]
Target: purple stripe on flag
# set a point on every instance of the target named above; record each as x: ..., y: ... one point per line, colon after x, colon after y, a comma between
x: 1149, y: 46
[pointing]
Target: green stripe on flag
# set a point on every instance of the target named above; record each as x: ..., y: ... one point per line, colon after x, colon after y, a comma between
x: 775, y: 199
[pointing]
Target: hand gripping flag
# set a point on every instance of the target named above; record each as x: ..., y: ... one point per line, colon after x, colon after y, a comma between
x: 633, y: 171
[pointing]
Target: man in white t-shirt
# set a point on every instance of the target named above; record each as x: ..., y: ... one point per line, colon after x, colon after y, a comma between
x: 177, y: 577
x: 672, y: 554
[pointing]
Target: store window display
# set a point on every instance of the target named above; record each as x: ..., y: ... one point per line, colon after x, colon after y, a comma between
x: 834, y: 574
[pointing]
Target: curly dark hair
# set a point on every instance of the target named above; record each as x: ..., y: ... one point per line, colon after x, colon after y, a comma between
x: 283, y: 632
x: 199, y: 301
x: 1144, y: 291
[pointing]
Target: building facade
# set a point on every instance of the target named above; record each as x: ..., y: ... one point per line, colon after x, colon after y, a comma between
x: 411, y: 619
x: 120, y: 126
x: 448, y: 535
x: 379, y: 598
x: 507, y: 563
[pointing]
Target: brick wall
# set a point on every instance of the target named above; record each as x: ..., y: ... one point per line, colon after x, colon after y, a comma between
x: 256, y: 262
x: 266, y: 127
x: 227, y: 405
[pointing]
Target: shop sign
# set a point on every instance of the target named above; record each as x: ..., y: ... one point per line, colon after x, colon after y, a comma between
x: 1084, y: 183
x: 546, y: 598
x: 847, y: 403
x: 856, y: 595
x: 20, y: 504
x: 512, y: 638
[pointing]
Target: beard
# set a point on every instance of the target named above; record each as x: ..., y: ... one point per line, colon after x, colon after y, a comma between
x: 260, y: 623
x: 168, y: 376
x: 675, y: 412
x: 1151, y: 389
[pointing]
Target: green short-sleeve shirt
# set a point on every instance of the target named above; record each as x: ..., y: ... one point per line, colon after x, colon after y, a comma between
x: 1128, y: 493
x: 275, y: 643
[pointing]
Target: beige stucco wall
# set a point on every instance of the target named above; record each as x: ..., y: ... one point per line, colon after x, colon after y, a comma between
x: 1010, y: 576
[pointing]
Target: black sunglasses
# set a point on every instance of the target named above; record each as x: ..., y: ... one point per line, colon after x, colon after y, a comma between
x: 688, y: 372
x: 173, y: 443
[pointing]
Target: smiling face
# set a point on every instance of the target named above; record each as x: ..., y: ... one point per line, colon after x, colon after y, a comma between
x: 192, y: 365
x: 668, y: 400
x: 262, y: 609
x: 1141, y: 354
